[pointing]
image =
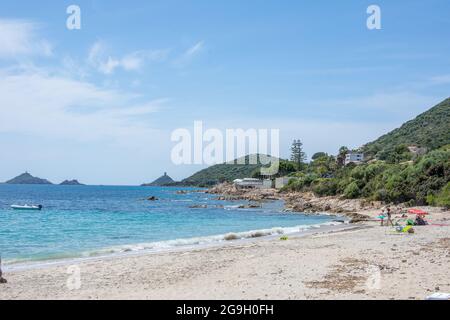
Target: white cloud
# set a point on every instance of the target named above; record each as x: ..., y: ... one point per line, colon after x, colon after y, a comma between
x: 131, y: 62
x: 43, y: 104
x: 99, y: 58
x: 20, y: 38
x: 109, y: 66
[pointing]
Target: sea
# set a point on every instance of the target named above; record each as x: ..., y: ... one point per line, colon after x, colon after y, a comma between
x: 91, y: 221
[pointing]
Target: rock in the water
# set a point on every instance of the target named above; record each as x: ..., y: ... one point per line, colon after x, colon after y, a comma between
x: 199, y: 206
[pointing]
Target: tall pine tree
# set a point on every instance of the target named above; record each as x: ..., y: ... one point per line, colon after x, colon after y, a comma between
x: 297, y: 154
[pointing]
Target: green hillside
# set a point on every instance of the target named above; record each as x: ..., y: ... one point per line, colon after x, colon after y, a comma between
x: 223, y: 172
x: 431, y: 129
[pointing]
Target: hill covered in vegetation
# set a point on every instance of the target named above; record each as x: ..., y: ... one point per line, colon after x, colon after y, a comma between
x: 391, y: 172
x: 426, y: 180
x: 229, y: 171
x: 394, y: 173
x: 430, y: 130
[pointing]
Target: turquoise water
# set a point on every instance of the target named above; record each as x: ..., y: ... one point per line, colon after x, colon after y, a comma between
x: 82, y: 221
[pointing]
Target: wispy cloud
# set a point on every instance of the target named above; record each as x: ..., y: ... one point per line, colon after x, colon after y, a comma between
x: 20, y: 38
x: 190, y: 54
x: 99, y: 58
x: 195, y: 49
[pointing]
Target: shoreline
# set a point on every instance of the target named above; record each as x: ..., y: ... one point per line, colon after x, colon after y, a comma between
x: 330, y: 264
x: 308, y: 230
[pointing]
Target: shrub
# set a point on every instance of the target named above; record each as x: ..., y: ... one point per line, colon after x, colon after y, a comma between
x: 324, y: 187
x: 352, y: 191
x: 442, y: 199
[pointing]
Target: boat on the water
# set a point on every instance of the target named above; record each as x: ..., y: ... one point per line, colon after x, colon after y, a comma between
x: 27, y: 207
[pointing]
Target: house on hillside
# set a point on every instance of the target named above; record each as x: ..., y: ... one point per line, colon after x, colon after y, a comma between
x: 416, y: 150
x: 354, y: 157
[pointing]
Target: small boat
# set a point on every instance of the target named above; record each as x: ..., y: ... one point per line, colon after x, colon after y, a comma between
x: 27, y: 207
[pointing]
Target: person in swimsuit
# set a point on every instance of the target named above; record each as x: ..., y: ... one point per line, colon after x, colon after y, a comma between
x: 389, y: 217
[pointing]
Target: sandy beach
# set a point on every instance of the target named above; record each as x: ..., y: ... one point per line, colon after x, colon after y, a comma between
x: 362, y: 261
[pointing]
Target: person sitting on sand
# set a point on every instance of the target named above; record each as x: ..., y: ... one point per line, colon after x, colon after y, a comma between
x: 420, y: 221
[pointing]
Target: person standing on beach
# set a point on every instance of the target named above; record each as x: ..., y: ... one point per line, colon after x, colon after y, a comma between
x: 382, y: 216
x: 2, y: 280
x: 389, y: 217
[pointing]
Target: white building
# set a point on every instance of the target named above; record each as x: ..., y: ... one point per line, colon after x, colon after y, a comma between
x: 252, y: 183
x: 354, y: 157
x: 267, y: 184
x: 282, y: 182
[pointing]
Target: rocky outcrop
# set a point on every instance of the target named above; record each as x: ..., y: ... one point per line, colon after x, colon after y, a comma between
x: 309, y: 203
x: 306, y: 203
x: 229, y: 192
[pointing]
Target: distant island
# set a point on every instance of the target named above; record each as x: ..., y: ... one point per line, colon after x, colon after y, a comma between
x: 26, y: 178
x: 71, y: 183
x: 161, y: 181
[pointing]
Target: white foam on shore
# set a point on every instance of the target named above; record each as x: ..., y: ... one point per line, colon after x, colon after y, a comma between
x: 207, y: 240
x: 171, y: 245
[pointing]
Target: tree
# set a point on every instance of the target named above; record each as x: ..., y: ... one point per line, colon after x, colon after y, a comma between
x: 341, y: 156
x: 318, y: 155
x: 297, y: 154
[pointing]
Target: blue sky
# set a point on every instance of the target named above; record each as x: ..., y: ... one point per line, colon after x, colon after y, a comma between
x: 99, y: 104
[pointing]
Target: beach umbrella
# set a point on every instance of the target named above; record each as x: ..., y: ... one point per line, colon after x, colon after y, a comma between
x: 417, y: 212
